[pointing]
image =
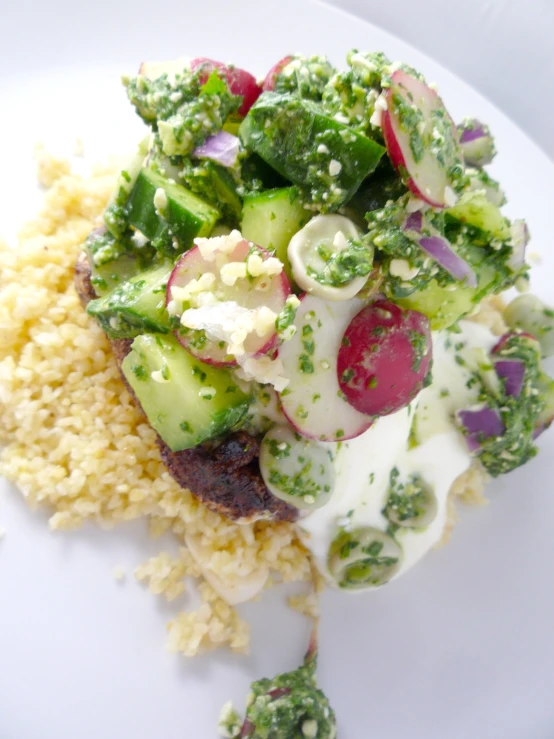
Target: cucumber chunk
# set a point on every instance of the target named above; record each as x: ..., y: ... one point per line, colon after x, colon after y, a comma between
x: 271, y: 218
x: 310, y: 148
x: 216, y: 185
x: 185, y: 400
x: 168, y: 214
x: 106, y: 277
x: 135, y: 306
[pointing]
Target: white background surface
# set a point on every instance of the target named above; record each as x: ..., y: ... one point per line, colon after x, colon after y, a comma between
x: 462, y: 647
x: 501, y: 47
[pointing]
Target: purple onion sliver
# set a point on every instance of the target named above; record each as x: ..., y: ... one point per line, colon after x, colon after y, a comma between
x: 222, y: 148
x: 512, y: 371
x: 479, y: 424
x: 442, y: 252
x: 471, y: 134
x: 414, y: 222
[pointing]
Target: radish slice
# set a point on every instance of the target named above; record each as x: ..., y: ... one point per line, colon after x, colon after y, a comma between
x: 227, y: 293
x: 274, y: 72
x: 297, y: 470
x: 384, y: 358
x: 239, y: 80
x: 421, y: 140
x: 313, y: 402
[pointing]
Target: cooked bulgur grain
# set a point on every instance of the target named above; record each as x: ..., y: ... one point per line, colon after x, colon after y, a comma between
x: 75, y: 442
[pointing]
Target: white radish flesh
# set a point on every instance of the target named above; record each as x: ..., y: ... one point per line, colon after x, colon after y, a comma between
x: 313, y: 402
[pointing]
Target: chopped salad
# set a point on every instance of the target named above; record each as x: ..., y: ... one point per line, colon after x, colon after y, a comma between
x: 297, y: 258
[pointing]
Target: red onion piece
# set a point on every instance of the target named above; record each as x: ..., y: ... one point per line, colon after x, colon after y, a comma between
x: 439, y: 248
x: 468, y: 135
x: 479, y: 424
x: 476, y: 143
x: 512, y: 371
x: 414, y: 222
x: 222, y: 148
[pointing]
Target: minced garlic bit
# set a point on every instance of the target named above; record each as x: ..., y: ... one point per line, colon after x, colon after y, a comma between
x: 72, y: 439
x: 118, y: 573
x: 231, y: 272
x: 225, y: 244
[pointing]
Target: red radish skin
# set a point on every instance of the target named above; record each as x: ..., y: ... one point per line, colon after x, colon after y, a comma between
x: 239, y: 80
x: 312, y: 401
x: 384, y: 358
x: 192, y: 265
x: 428, y: 179
x: 503, y: 341
x: 269, y: 82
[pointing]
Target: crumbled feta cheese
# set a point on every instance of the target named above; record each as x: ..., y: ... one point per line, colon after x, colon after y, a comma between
x: 309, y: 728
x: 264, y: 370
x: 194, y: 287
x: 401, y: 268
x: 222, y: 244
x: 265, y: 321
x: 434, y: 86
x: 334, y: 167
x: 160, y: 200
x: 322, y: 149
x: 377, y: 115
x: 225, y: 321
x: 139, y: 239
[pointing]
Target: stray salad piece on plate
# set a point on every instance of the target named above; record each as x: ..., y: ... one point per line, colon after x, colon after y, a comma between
x: 298, y: 279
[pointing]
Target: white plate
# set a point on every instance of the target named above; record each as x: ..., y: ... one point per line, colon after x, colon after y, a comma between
x: 461, y: 647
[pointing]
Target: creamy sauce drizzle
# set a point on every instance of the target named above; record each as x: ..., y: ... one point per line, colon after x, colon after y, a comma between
x: 363, y: 465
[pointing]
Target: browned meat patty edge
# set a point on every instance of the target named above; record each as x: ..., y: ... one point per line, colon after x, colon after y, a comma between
x: 224, y: 475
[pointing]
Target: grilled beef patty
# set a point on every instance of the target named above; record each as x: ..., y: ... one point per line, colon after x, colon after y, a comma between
x: 224, y: 474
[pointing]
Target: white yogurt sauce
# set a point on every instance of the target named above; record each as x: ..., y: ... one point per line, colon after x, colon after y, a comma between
x: 363, y: 465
